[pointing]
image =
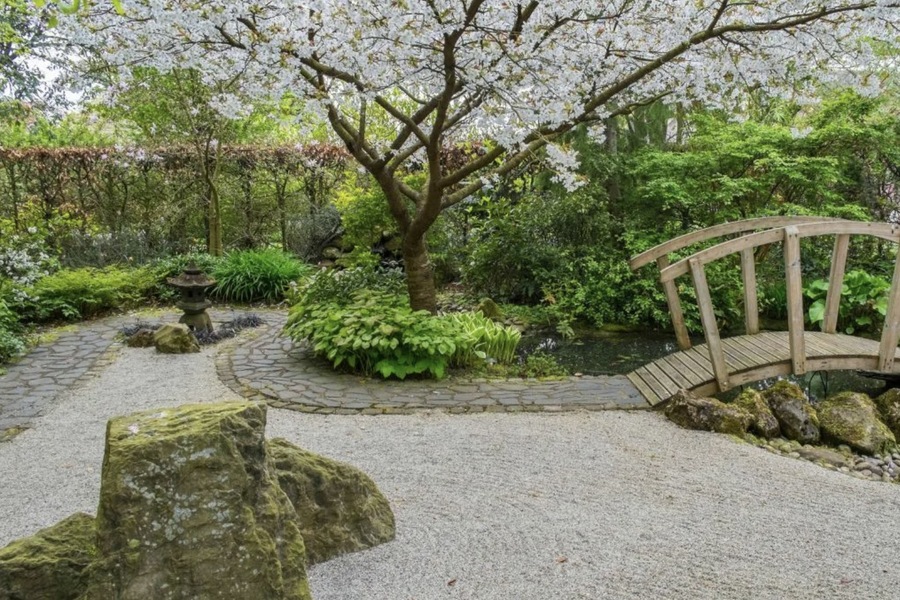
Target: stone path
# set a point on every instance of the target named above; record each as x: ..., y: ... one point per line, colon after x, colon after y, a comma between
x: 261, y: 364
x: 270, y: 367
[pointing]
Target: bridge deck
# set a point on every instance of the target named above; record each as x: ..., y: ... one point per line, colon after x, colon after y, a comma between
x: 751, y: 358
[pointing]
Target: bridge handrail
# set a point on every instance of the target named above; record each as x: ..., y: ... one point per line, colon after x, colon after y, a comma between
x: 885, y: 231
x: 702, y: 235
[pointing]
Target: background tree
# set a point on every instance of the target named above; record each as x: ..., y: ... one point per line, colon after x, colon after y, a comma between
x: 520, y: 74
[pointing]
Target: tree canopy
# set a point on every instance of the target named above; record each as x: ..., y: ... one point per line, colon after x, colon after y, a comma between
x: 519, y: 74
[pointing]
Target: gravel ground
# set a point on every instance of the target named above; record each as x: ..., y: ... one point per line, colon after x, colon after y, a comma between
x: 517, y: 506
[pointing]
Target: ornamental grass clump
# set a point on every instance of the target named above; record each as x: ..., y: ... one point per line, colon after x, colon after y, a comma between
x: 257, y: 275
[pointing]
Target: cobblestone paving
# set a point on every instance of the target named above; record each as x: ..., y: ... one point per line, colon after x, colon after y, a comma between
x: 31, y: 385
x: 263, y: 365
x: 270, y: 367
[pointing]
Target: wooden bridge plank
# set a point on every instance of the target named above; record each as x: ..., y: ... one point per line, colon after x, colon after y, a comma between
x: 737, y: 356
x: 650, y: 386
x: 676, y: 373
x: 649, y: 395
x: 749, y: 350
x: 774, y: 349
x: 665, y: 381
x: 700, y: 357
x: 697, y: 373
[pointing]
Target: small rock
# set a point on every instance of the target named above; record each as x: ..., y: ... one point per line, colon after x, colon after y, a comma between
x: 764, y: 422
x: 795, y: 415
x: 825, y: 455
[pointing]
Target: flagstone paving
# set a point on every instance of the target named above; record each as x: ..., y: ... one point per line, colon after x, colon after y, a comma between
x: 261, y: 364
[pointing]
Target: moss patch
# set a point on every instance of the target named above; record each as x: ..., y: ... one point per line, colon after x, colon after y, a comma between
x: 50, y: 564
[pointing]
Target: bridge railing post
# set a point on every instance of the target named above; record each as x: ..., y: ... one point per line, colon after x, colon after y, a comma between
x: 710, y: 328
x: 675, y: 311
x: 835, y: 282
x: 748, y: 272
x: 891, y: 331
x: 794, y: 299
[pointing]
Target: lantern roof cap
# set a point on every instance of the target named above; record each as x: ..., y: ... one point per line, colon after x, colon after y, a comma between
x: 192, y: 277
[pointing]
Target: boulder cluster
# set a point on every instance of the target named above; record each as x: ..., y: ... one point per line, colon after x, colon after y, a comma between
x: 195, y: 503
x: 782, y: 419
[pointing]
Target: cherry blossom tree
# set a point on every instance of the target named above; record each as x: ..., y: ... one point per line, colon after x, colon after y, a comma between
x: 517, y: 74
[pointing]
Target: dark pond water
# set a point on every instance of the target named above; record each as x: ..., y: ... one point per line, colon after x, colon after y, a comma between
x: 603, y: 353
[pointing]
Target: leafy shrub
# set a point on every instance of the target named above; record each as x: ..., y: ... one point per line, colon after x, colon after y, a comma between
x: 11, y: 344
x: 25, y: 258
x: 485, y: 340
x: 864, y: 300
x: 376, y: 332
x: 83, y: 293
x: 332, y: 285
x: 540, y: 364
x: 254, y: 275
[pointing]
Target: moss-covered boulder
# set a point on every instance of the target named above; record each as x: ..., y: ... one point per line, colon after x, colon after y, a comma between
x: 50, y: 564
x: 796, y: 416
x: 707, y: 414
x: 888, y: 405
x: 339, y: 508
x: 190, y: 507
x: 175, y: 338
x: 764, y: 422
x: 851, y: 418
x: 489, y: 309
x: 142, y: 338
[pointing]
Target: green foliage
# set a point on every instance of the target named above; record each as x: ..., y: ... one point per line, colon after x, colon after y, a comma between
x: 257, y: 275
x: 84, y: 293
x: 486, y: 340
x: 11, y: 343
x: 523, y: 245
x: 364, y: 215
x: 376, y: 332
x: 174, y: 266
x: 338, y: 286
x: 541, y: 365
x: 864, y: 300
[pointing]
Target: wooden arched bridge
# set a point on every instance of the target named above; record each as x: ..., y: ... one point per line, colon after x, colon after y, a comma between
x: 721, y: 364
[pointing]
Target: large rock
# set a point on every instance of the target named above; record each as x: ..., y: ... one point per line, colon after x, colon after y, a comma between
x: 707, y: 414
x: 796, y: 416
x: 888, y: 405
x: 764, y: 422
x: 51, y: 563
x: 175, y: 338
x: 851, y: 418
x: 339, y: 508
x: 190, y: 507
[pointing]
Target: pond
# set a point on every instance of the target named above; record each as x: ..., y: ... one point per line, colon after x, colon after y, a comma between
x: 602, y: 353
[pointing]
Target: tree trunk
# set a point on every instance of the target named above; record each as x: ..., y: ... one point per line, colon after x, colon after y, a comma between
x: 419, y: 275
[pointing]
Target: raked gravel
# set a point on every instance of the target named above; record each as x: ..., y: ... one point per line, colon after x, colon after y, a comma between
x: 517, y: 506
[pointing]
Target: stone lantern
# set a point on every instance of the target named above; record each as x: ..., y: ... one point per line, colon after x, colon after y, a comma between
x: 192, y: 284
